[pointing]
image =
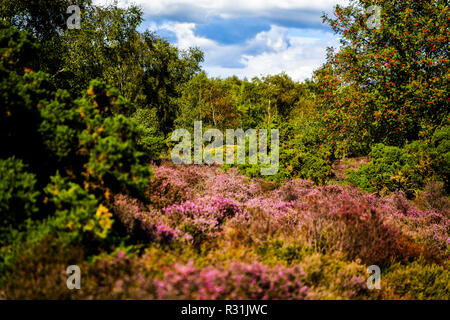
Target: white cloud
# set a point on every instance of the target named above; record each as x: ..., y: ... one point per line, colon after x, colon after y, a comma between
x: 196, y: 10
x: 274, y: 39
x: 268, y: 52
x: 186, y: 37
x: 228, y: 6
x: 276, y: 51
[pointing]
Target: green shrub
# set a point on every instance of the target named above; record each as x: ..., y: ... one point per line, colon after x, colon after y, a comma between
x: 18, y: 195
x: 78, y: 214
x: 418, y: 280
x: 303, y: 154
x: 78, y: 152
x: 393, y: 168
x: 113, y: 159
x: 440, y: 142
x: 409, y: 168
x: 151, y: 140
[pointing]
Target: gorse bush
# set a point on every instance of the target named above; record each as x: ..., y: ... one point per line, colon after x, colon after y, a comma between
x: 78, y: 214
x: 66, y: 157
x: 18, y: 195
x: 391, y: 169
x: 306, y: 154
x: 408, y: 169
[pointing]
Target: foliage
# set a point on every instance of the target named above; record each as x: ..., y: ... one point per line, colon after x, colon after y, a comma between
x: 63, y: 156
x: 17, y: 194
x: 144, y: 68
x: 77, y: 213
x: 388, y: 84
x: 407, y: 169
x: 257, y: 242
x: 85, y: 118
x: 232, y: 103
x: 419, y: 280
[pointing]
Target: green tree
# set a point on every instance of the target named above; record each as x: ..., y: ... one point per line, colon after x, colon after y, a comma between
x: 389, y: 84
x: 208, y: 100
x: 282, y: 94
x: 46, y: 20
x: 145, y: 68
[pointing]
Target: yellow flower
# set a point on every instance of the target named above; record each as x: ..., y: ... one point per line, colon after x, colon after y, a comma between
x: 90, y: 225
x: 102, y: 211
x: 91, y: 91
x: 104, y: 219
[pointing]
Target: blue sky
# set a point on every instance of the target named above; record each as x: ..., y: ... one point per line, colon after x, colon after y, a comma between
x: 246, y: 38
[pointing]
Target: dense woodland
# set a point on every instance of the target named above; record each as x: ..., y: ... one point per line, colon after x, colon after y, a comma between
x: 86, y: 117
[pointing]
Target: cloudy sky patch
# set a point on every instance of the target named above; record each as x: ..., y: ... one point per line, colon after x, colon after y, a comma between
x: 246, y: 38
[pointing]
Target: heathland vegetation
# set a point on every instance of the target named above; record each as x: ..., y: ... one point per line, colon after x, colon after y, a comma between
x: 86, y: 117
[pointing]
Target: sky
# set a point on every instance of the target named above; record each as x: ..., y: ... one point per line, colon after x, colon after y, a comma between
x: 246, y: 38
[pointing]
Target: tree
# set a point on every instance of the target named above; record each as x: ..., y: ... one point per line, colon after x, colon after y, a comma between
x: 282, y: 93
x: 46, y: 20
x: 387, y: 84
x: 208, y: 100
x: 145, y: 68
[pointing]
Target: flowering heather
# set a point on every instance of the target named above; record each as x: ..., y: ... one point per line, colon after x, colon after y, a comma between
x: 204, y: 200
x: 253, y: 281
x: 144, y: 223
x: 214, y: 234
x: 202, y: 217
x: 170, y: 185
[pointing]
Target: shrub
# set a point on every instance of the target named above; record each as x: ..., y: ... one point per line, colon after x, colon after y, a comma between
x: 170, y: 186
x: 203, y: 218
x: 391, y: 169
x: 40, y: 271
x: 332, y: 218
x: 18, y: 195
x: 418, y: 280
x: 252, y: 281
x: 409, y: 168
x: 357, y: 229
x: 331, y: 277
x: 78, y: 217
x: 151, y: 140
x: 144, y: 224
x: 303, y: 154
x: 193, y: 221
x: 118, y: 275
x: 113, y: 159
x: 78, y: 152
x: 434, y: 197
x: 275, y: 251
x: 440, y: 144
